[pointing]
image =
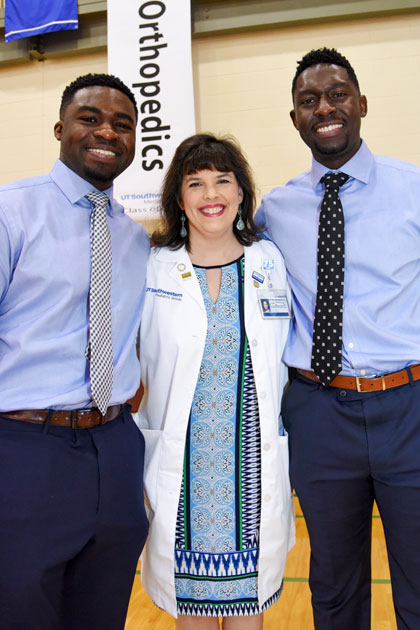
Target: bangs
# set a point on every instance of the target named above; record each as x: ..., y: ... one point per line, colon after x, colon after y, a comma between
x: 212, y: 157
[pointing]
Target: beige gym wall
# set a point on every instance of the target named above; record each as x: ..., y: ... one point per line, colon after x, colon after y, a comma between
x: 242, y: 87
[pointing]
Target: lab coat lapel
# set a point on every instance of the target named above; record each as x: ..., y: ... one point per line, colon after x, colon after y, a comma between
x: 182, y: 273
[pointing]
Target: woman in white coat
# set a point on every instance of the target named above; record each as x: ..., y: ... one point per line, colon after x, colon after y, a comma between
x: 214, y: 324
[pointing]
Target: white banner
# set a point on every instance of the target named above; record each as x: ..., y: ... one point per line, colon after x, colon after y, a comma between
x: 149, y: 48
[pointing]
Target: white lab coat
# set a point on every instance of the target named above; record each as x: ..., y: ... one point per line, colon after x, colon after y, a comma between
x: 172, y: 337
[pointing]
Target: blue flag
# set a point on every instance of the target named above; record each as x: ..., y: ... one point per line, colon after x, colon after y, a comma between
x: 26, y: 18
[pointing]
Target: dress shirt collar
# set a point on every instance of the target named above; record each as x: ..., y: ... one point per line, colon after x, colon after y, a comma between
x: 358, y: 167
x: 75, y: 188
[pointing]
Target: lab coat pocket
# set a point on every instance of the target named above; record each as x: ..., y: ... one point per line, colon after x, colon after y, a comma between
x: 283, y: 463
x: 287, y: 497
x: 153, y: 440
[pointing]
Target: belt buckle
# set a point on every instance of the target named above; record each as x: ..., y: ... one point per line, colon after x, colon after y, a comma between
x: 74, y: 418
x: 362, y: 391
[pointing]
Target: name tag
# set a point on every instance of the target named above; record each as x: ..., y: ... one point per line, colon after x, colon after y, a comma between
x: 273, y: 304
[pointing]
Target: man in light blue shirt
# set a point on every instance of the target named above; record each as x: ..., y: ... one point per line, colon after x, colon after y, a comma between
x: 71, y: 500
x: 358, y: 439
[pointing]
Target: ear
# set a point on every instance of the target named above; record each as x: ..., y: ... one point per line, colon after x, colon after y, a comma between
x: 240, y: 193
x: 58, y: 128
x: 180, y: 204
x: 363, y: 106
x: 293, y: 117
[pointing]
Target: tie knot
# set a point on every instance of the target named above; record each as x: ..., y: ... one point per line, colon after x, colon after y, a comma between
x: 98, y: 199
x: 334, y: 180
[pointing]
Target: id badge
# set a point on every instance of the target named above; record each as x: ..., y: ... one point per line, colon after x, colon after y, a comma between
x: 273, y: 304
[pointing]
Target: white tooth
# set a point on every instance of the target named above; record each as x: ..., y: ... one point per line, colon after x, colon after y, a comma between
x: 102, y: 152
x: 329, y: 128
x: 213, y: 210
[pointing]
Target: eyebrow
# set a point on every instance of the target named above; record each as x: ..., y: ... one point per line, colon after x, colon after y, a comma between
x: 195, y: 178
x: 96, y: 110
x: 334, y: 86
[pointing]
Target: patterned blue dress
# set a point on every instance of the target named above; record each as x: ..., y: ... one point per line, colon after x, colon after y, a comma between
x: 216, y: 546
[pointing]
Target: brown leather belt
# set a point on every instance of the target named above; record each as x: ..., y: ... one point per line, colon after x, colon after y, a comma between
x: 377, y: 384
x: 76, y: 418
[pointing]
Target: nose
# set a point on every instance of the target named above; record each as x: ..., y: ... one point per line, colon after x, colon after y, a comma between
x: 106, y: 132
x: 324, y: 106
x: 210, y: 192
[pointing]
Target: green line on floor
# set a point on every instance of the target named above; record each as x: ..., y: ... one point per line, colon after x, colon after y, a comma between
x: 301, y: 579
x: 373, y: 516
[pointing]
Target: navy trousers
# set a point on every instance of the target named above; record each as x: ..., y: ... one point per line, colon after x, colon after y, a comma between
x: 348, y: 449
x: 72, y: 524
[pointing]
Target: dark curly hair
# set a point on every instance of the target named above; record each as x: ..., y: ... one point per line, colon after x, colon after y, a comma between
x: 201, y: 152
x: 91, y: 80
x: 329, y: 56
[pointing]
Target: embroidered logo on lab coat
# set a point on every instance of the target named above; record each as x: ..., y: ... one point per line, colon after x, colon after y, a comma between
x: 169, y: 295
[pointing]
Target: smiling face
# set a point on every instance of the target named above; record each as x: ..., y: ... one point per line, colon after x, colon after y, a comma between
x: 210, y: 200
x: 97, y: 134
x: 327, y: 113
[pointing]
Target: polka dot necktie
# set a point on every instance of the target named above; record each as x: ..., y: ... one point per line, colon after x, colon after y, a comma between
x: 328, y: 322
x: 100, y: 335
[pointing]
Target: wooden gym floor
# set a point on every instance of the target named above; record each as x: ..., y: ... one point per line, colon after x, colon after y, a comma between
x: 293, y: 610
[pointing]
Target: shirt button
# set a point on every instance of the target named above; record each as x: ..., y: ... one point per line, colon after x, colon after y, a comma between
x: 351, y: 345
x: 267, y: 446
x: 254, y: 342
x: 267, y: 497
x: 362, y: 372
x: 263, y: 395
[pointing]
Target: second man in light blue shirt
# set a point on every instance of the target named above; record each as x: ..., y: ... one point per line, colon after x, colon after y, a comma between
x: 358, y: 439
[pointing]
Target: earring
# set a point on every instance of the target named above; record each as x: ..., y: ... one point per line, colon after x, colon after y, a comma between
x: 183, y: 230
x: 240, y: 225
